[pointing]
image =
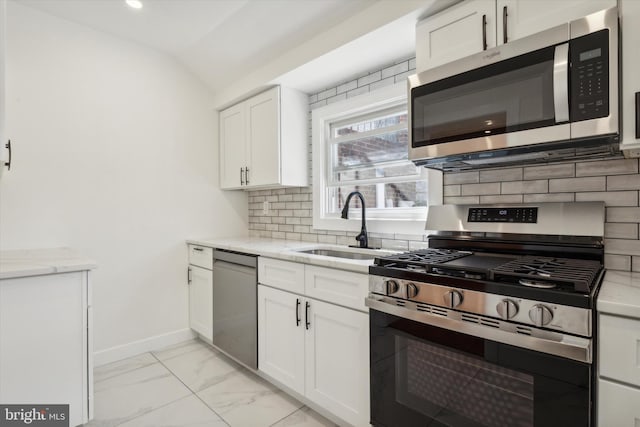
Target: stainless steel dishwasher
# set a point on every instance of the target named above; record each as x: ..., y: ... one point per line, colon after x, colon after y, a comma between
x: 235, y: 305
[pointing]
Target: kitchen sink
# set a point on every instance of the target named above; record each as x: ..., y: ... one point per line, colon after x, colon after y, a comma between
x: 338, y: 254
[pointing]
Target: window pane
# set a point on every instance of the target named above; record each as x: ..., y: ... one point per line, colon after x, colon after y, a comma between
x: 400, y: 169
x: 383, y: 195
x: 370, y: 124
x: 386, y: 147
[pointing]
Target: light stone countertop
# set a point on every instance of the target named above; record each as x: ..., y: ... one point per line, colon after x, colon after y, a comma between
x: 286, y: 250
x: 620, y: 294
x: 36, y: 262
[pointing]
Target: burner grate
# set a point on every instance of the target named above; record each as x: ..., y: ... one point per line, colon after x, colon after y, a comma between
x: 420, y: 258
x: 578, y: 274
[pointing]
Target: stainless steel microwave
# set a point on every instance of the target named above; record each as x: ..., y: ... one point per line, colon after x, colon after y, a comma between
x: 550, y: 96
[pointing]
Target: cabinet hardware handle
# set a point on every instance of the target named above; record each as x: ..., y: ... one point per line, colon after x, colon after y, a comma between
x: 637, y: 115
x: 504, y: 24
x: 189, y: 276
x: 8, y: 164
x: 297, y: 311
x: 306, y: 315
x: 198, y: 249
x: 241, y: 176
x: 484, y: 32
x: 246, y: 176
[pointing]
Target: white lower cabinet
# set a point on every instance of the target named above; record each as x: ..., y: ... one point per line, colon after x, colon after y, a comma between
x: 46, y: 351
x: 317, y: 349
x: 201, y: 301
x: 618, y: 371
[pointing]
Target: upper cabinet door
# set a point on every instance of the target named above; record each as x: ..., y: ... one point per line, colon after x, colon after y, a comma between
x: 3, y: 113
x: 233, y: 140
x: 526, y: 17
x: 459, y: 31
x: 263, y: 133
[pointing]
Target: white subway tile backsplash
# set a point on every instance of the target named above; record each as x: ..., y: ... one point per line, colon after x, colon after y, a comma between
x: 635, y: 263
x: 480, y: 189
x: 293, y: 220
x: 623, y: 215
x: 414, y: 246
x: 346, y: 87
x: 327, y: 239
x: 327, y: 94
x: 621, y: 230
x: 461, y: 178
x: 451, y: 190
x: 521, y: 187
x: 358, y: 91
x: 549, y: 197
x: 622, y: 247
x: 623, y: 182
x: 368, y: 79
x: 501, y: 175
x: 610, y: 198
x: 395, y: 69
x: 562, y: 170
x: 617, y: 262
x: 338, y: 97
x: 501, y: 198
x: 462, y: 200
x: 607, y: 167
x: 398, y: 245
x: 563, y: 185
x: 382, y: 83
x: 412, y: 64
x: 292, y: 236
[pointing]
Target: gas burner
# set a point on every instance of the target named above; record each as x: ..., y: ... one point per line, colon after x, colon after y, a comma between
x: 537, y: 284
x: 421, y: 258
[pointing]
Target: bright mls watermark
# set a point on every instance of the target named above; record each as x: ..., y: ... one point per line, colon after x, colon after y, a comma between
x: 34, y: 415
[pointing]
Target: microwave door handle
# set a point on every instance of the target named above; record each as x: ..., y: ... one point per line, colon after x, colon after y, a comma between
x: 561, y: 82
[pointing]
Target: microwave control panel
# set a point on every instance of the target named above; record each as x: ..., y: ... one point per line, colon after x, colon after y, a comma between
x: 589, y: 76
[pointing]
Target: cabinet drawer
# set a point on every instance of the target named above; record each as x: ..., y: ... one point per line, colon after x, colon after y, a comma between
x: 619, y: 349
x: 341, y: 287
x: 618, y: 405
x: 285, y: 275
x: 201, y: 256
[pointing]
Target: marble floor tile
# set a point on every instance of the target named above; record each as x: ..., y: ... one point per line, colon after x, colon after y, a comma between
x: 186, y: 412
x: 181, y: 348
x: 121, y: 366
x: 201, y: 368
x: 245, y: 400
x: 134, y: 393
x: 305, y: 417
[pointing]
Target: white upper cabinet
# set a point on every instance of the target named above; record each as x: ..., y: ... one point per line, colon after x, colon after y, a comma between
x: 263, y: 141
x: 521, y: 18
x: 475, y: 25
x: 462, y: 30
x: 630, y: 17
x: 3, y: 103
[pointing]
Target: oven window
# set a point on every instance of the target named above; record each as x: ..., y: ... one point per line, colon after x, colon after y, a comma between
x: 423, y: 375
x: 461, y: 389
x: 511, y: 95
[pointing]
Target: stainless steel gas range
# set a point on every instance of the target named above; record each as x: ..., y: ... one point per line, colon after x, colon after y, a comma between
x: 493, y: 324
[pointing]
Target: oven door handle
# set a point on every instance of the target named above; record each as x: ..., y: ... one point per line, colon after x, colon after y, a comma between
x: 569, y: 346
x: 561, y: 82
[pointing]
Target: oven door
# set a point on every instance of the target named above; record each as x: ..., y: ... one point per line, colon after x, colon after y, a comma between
x: 423, y: 375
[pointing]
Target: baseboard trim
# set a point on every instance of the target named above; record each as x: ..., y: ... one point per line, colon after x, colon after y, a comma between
x: 134, y: 348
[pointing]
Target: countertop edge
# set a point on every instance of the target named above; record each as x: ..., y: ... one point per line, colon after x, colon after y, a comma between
x: 620, y: 294
x: 38, y: 262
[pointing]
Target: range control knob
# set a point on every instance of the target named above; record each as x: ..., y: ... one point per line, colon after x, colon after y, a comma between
x: 453, y: 298
x: 392, y: 287
x: 507, y: 309
x: 540, y: 315
x: 412, y: 290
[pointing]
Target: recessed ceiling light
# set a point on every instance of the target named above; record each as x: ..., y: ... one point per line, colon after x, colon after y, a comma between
x: 136, y: 4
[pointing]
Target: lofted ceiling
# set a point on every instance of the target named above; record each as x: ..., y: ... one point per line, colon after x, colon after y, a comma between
x: 225, y: 41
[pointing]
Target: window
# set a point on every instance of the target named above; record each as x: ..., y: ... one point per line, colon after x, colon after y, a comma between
x: 361, y: 144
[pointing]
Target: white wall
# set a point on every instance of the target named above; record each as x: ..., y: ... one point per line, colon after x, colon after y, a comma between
x: 115, y: 154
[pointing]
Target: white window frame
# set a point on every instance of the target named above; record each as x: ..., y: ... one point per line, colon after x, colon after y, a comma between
x: 401, y: 221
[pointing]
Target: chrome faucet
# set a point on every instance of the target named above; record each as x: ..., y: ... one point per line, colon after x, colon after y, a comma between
x: 362, y: 237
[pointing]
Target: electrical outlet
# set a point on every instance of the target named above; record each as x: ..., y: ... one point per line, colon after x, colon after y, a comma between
x: 265, y: 208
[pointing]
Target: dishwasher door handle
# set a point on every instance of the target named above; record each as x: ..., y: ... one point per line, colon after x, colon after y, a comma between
x: 298, y: 312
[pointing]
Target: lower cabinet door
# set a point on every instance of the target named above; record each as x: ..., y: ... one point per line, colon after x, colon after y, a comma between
x: 201, y: 301
x: 337, y: 361
x: 618, y: 405
x: 281, y: 330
